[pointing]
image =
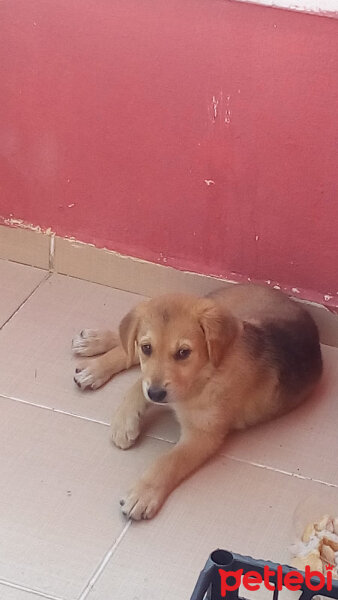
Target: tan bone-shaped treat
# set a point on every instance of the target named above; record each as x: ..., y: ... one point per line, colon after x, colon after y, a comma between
x: 329, y: 526
x: 327, y: 554
x: 335, y: 525
x: 308, y: 533
x: 328, y: 542
x: 312, y: 560
x: 322, y: 524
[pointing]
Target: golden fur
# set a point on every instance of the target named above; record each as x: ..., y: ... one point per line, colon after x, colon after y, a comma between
x: 238, y: 357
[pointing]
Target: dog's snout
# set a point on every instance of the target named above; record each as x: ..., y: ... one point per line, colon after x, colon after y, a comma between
x: 157, y: 393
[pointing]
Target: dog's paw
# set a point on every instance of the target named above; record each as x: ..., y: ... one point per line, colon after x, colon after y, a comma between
x: 142, y: 502
x: 90, y: 375
x: 125, y: 428
x: 91, y: 342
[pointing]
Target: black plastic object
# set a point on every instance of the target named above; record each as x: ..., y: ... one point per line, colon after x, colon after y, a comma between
x: 208, y: 586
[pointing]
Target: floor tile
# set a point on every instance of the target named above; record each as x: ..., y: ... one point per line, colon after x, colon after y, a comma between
x: 59, y: 507
x: 39, y: 340
x: 230, y: 505
x: 17, y: 283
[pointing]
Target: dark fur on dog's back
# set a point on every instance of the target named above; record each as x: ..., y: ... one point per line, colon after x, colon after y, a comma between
x: 280, y: 335
x: 291, y: 347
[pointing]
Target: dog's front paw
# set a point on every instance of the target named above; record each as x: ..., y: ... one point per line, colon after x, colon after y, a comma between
x: 143, y: 501
x: 125, y: 428
x: 91, y: 342
x: 91, y: 375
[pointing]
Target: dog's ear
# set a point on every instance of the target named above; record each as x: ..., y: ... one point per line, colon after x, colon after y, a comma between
x: 128, y: 332
x: 220, y: 328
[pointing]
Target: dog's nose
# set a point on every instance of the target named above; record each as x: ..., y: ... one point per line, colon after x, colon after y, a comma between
x: 156, y: 393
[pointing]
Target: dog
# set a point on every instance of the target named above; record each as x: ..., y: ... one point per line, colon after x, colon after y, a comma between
x: 227, y: 361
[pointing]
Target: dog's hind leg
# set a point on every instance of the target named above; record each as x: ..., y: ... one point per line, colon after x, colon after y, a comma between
x: 91, y: 342
x: 95, y: 372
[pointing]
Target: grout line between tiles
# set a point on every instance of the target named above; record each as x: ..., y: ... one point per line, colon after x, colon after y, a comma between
x: 108, y: 287
x: 55, y: 410
x: 52, y: 252
x: 104, y: 562
x: 25, y: 300
x: 276, y: 470
x: 23, y: 588
x: 69, y: 414
x: 19, y: 262
x: 161, y: 439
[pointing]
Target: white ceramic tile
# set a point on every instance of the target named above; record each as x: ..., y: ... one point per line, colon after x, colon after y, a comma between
x: 59, y: 500
x: 17, y: 282
x: 239, y: 507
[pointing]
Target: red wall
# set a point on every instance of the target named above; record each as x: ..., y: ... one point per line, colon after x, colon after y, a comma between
x: 114, y: 113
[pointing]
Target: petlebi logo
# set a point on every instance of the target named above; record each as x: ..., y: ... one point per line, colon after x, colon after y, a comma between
x: 293, y: 580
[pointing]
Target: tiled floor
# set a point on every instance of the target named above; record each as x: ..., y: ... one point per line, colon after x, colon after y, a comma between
x: 62, y: 535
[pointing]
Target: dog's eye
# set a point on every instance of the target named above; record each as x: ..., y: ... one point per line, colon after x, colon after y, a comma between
x: 146, y: 349
x: 182, y: 353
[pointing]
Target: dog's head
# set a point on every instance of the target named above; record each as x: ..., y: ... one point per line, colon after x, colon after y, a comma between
x: 180, y: 341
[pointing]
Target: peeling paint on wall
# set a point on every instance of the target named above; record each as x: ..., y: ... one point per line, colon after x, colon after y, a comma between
x: 215, y: 107
x: 227, y: 118
x: 12, y: 222
x: 220, y: 108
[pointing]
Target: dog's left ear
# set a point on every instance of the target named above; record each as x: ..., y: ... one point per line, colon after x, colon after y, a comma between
x: 220, y: 328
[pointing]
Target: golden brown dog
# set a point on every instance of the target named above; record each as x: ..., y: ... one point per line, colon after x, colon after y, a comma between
x: 230, y: 360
